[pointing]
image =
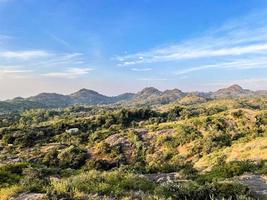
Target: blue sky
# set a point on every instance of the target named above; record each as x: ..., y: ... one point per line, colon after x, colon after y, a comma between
x: 114, y: 46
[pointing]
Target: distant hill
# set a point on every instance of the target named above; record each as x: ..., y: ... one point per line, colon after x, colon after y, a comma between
x: 147, y: 96
x: 18, y: 105
x: 232, y: 91
x: 51, y: 100
x: 123, y: 97
x: 91, y: 97
x: 154, y: 96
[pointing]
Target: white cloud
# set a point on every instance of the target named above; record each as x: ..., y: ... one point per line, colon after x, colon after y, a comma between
x: 11, y: 72
x: 58, y: 60
x: 141, y: 69
x: 24, y: 55
x: 238, y: 44
x: 242, y: 64
x: 59, y: 40
x: 153, y: 79
x: 44, y: 61
x: 69, y: 73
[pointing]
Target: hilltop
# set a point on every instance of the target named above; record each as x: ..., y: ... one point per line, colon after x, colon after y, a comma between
x: 148, y: 96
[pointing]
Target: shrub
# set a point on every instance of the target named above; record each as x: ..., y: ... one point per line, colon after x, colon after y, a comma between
x: 228, y: 170
x: 10, y: 174
x: 115, y: 183
x: 73, y: 157
x: 34, y: 180
x: 8, y: 192
x: 191, y: 190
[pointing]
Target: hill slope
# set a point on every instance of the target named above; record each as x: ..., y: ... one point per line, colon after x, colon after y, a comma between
x: 194, y: 148
x: 148, y: 96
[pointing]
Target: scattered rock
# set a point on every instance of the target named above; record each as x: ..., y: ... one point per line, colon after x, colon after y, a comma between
x: 256, y: 183
x: 117, y: 139
x: 30, y: 196
x: 163, y: 177
x: 72, y: 130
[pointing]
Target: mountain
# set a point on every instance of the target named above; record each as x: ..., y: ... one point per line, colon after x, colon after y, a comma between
x: 91, y: 97
x: 148, y: 92
x: 261, y: 93
x: 51, y: 100
x: 171, y: 95
x: 54, y: 100
x: 232, y: 92
x: 85, y: 96
x: 147, y: 96
x: 123, y: 97
x: 152, y: 95
x: 18, y: 105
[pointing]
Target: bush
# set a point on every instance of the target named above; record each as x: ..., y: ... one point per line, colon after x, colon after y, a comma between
x: 115, y: 183
x: 228, y: 170
x: 73, y: 157
x: 7, y: 193
x: 191, y: 190
x: 35, y: 180
x: 11, y: 174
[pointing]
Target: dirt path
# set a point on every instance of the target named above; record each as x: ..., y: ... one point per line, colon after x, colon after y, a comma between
x: 256, y: 183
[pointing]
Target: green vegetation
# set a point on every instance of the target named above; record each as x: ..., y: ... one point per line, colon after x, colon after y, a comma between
x: 117, y: 151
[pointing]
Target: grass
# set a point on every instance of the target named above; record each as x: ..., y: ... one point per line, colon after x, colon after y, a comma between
x: 113, y: 183
x: 7, y: 193
x: 251, y: 150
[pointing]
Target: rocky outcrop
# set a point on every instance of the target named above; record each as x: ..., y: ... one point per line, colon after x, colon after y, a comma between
x: 30, y: 196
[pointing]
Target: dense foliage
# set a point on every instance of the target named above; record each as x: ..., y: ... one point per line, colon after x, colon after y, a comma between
x: 196, y: 148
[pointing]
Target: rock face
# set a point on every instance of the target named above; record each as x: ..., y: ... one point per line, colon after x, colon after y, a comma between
x: 117, y: 139
x: 124, y: 144
x: 256, y: 183
x: 31, y: 196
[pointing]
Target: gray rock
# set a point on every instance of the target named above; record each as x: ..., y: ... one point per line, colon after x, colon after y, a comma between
x: 30, y: 196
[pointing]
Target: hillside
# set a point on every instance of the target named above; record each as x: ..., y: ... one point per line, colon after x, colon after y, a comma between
x: 147, y: 97
x: 191, y: 148
x: 232, y: 91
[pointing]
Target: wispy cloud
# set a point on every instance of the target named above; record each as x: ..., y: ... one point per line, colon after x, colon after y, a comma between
x: 24, y: 55
x: 141, y: 69
x: 40, y: 59
x: 59, y: 40
x: 44, y: 63
x: 58, y: 60
x: 11, y: 72
x: 153, y: 79
x: 238, y: 44
x: 179, y: 53
x: 69, y: 73
x: 4, y: 38
x: 241, y: 64
x: 252, y: 83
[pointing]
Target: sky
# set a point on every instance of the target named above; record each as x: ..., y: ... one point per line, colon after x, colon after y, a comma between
x: 116, y: 46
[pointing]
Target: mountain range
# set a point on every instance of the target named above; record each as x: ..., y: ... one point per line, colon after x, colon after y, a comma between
x: 149, y: 95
